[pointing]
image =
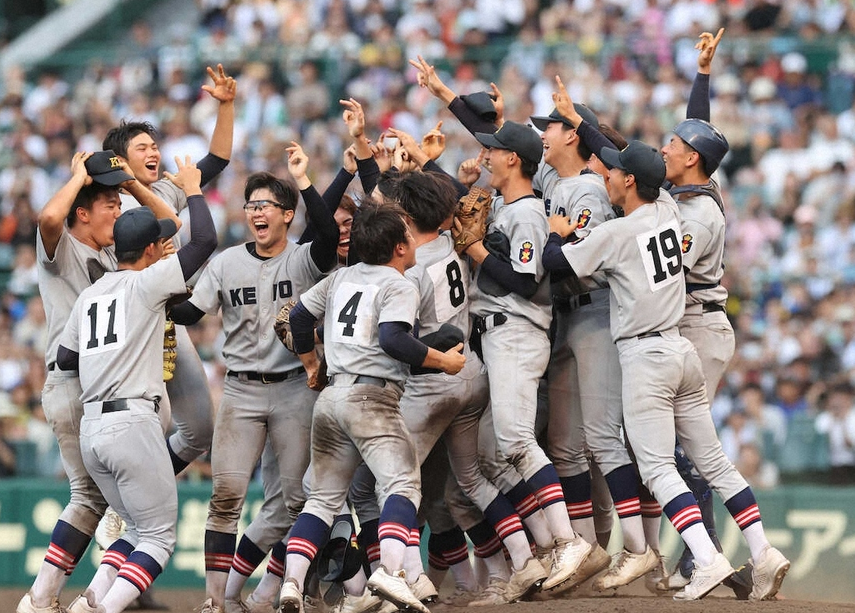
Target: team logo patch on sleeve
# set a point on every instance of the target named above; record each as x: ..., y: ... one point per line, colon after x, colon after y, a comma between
x: 526, y: 252
x: 688, y: 239
x: 584, y: 218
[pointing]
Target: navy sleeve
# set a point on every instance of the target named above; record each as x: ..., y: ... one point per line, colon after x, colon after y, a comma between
x: 332, y: 198
x: 469, y: 118
x: 325, y: 243
x: 369, y: 173
x: 699, y: 98
x: 302, y: 329
x: 396, y: 340
x: 203, y: 237
x: 211, y: 165
x: 67, y: 359
x: 504, y: 274
x: 185, y: 313
x: 553, y: 257
x: 593, y: 138
x: 431, y: 166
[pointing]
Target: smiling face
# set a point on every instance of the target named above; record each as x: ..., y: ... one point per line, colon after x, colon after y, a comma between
x: 344, y: 219
x: 554, y: 138
x: 677, y: 155
x: 96, y: 228
x: 144, y: 158
x: 269, y: 225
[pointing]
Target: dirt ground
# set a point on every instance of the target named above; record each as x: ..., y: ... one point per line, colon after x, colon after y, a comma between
x: 185, y: 601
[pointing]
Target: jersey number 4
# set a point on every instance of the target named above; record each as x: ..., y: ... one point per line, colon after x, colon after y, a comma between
x: 353, y: 310
x: 347, y: 315
x: 662, y: 256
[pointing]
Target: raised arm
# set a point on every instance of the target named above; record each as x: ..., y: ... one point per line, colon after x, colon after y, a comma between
x: 699, y: 98
x: 203, y: 234
x: 325, y: 243
x: 224, y: 90
x: 590, y: 135
x: 53, y: 214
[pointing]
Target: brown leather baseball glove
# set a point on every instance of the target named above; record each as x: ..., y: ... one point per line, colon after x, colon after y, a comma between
x: 470, y: 221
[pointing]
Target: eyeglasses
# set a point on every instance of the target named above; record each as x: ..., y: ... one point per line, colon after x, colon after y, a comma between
x: 253, y: 206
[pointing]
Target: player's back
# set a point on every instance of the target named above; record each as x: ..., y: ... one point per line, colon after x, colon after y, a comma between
x: 703, y: 227
x: 442, y: 279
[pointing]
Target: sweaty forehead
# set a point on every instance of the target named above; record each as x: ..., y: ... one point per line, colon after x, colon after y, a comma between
x: 262, y: 193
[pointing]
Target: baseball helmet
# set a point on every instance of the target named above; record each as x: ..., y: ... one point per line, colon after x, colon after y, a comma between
x: 706, y: 139
x: 340, y: 559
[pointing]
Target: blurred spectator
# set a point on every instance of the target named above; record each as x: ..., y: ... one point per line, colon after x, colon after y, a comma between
x: 837, y: 421
x: 8, y: 416
x: 760, y: 473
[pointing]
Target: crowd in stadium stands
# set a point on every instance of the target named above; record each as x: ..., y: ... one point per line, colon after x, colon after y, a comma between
x: 782, y: 92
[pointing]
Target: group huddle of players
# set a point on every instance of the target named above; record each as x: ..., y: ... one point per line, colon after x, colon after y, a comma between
x: 508, y: 364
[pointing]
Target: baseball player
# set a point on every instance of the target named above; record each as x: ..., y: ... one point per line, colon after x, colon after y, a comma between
x: 512, y: 313
x: 664, y: 395
x: 73, y: 243
x: 265, y: 392
x: 369, y: 310
x: 136, y: 143
x: 584, y: 371
x: 691, y: 157
x: 114, y: 338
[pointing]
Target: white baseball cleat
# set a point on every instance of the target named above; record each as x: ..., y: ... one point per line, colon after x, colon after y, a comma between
x: 82, y: 604
x: 235, y: 606
x: 257, y: 606
x: 568, y: 556
x: 26, y: 606
x: 394, y: 588
x: 424, y: 589
x: 656, y: 576
x: 290, y: 598
x: 110, y: 529
x: 208, y: 607
x: 493, y: 594
x: 768, y: 574
x: 627, y: 567
x: 364, y: 603
x: 706, y: 578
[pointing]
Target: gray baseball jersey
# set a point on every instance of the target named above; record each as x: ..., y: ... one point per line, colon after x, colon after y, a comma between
x: 63, y: 277
x: 356, y: 301
x: 703, y: 248
x: 524, y: 223
x: 544, y: 181
x: 116, y: 326
x: 250, y: 291
x: 443, y: 282
x: 642, y: 256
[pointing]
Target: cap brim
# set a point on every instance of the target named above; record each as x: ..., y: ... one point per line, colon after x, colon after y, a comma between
x: 112, y: 178
x: 489, y: 140
x: 167, y: 228
x: 610, y: 157
x: 541, y: 123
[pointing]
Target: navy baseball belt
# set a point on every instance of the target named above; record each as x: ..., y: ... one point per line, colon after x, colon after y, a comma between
x: 114, y: 406
x: 488, y: 322
x: 568, y: 304
x: 711, y: 307
x: 343, y: 379
x: 653, y: 334
x: 265, y: 377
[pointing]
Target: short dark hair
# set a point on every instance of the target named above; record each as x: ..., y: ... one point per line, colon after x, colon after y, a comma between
x: 528, y: 168
x: 429, y: 198
x: 581, y: 147
x: 377, y: 230
x: 387, y: 184
x: 347, y: 204
x: 129, y: 257
x: 647, y: 192
x: 120, y: 137
x: 285, y: 192
x: 87, y: 195
x: 614, y: 136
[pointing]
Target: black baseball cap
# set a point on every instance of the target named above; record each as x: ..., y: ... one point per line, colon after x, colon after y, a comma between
x: 540, y: 122
x: 138, y: 228
x: 105, y: 168
x: 482, y: 104
x: 515, y: 137
x: 638, y: 159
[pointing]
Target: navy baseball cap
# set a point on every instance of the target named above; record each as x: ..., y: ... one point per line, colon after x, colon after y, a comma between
x: 638, y: 159
x: 482, y: 104
x: 138, y: 228
x: 105, y: 168
x: 516, y: 137
x: 541, y: 122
